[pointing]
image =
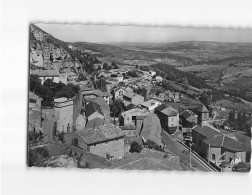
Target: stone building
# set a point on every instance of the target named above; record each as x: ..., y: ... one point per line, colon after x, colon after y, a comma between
x: 169, y: 118
x: 46, y: 74
x: 220, y: 146
x: 132, y: 98
x: 63, y: 114
x: 106, y: 141
x: 35, y: 113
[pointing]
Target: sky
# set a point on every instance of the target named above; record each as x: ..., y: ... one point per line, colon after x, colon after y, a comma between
x: 110, y: 33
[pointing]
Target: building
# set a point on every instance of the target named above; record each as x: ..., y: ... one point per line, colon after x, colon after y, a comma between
x: 159, y: 79
x: 46, y: 74
x: 94, y: 123
x: 220, y: 147
x: 169, y: 118
x: 35, y: 113
x: 118, y: 93
x: 132, y: 98
x: 201, y: 111
x: 71, y: 76
x: 151, y: 105
x: 63, y: 114
x: 103, y: 106
x: 88, y: 95
x: 188, y: 119
x: 173, y: 96
x: 106, y: 141
x: 151, y: 129
x: 130, y: 118
x: 93, y: 110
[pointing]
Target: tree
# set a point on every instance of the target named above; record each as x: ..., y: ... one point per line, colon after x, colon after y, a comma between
x: 132, y: 73
x: 116, y: 108
x: 35, y: 82
x: 105, y: 66
x: 135, y: 147
x: 231, y: 116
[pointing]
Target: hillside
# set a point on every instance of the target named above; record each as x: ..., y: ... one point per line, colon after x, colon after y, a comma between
x: 221, y: 65
x: 47, y: 52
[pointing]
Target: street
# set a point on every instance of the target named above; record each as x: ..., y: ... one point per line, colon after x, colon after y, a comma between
x: 177, y: 149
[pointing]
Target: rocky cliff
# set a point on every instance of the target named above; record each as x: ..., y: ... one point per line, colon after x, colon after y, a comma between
x: 47, y: 52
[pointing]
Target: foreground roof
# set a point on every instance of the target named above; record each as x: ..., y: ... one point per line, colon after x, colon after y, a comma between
x: 100, y: 134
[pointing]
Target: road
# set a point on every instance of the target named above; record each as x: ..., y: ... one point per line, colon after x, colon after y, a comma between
x: 179, y: 150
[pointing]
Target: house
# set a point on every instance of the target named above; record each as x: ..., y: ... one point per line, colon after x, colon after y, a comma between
x: 71, y: 76
x: 119, y: 77
x: 201, y: 111
x: 103, y: 106
x: 63, y: 114
x: 35, y: 113
x: 93, y: 110
x: 63, y: 78
x: 130, y: 120
x: 173, y: 96
x: 94, y: 123
x: 151, y: 129
x: 151, y: 105
x: 106, y: 141
x: 132, y: 98
x: 118, y: 93
x: 169, y: 118
x: 220, y: 147
x: 46, y: 74
x: 88, y: 95
x: 188, y: 119
x: 159, y: 79
x: 152, y: 73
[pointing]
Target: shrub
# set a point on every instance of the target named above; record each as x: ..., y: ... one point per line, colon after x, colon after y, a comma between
x: 135, y: 147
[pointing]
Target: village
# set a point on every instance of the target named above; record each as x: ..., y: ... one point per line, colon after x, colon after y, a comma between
x: 124, y: 118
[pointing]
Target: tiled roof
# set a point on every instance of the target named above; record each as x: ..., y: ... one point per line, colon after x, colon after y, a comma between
x: 130, y: 94
x: 198, y: 107
x: 144, y: 164
x: 206, y: 131
x: 189, y: 116
x: 223, y: 139
x: 226, y: 142
x: 150, y: 103
x: 96, y: 122
x: 167, y: 110
x: 103, y: 105
x: 100, y: 134
x: 45, y: 73
x: 152, y: 129
x: 91, y: 108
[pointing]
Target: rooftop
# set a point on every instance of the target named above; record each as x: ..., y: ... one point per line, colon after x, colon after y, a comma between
x: 96, y: 122
x: 131, y: 95
x: 167, y: 110
x: 100, y: 134
x: 45, y: 73
x: 91, y: 108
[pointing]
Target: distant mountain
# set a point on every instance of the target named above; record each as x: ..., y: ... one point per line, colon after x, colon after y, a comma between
x: 47, y: 52
x: 178, y: 54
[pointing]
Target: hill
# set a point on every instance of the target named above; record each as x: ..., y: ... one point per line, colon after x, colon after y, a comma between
x: 47, y: 52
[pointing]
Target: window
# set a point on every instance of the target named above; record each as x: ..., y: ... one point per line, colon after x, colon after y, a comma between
x: 213, y: 156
